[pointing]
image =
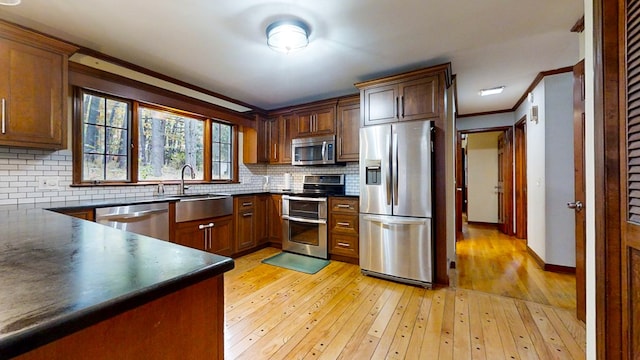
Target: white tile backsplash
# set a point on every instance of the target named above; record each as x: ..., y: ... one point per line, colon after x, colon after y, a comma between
x: 21, y: 170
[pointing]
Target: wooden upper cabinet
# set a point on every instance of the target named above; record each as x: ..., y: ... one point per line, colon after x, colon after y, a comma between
x: 316, y: 120
x: 348, y: 129
x: 33, y: 89
x: 411, y: 96
x: 273, y: 136
x: 285, y: 134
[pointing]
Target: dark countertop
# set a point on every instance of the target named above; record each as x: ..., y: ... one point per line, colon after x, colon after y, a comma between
x: 61, y: 274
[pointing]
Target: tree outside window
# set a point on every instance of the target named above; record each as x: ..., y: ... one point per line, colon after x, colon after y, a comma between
x: 166, y: 142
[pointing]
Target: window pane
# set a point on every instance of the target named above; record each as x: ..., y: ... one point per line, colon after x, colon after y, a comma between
x: 215, y: 134
x: 225, y: 152
x: 93, y: 139
x: 117, y: 168
x: 117, y: 113
x: 222, y: 152
x: 105, y: 133
x: 117, y: 141
x: 93, y: 167
x: 93, y: 109
x: 167, y: 141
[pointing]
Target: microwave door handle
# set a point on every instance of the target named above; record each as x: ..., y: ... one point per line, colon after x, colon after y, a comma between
x: 324, y: 148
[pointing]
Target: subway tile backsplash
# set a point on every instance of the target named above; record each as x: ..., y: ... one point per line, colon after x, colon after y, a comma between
x: 23, y: 171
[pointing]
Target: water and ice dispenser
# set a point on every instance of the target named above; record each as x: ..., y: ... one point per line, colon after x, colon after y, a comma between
x: 373, y: 170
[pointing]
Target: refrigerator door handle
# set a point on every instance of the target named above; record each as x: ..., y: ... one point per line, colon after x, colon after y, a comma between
x: 395, y: 169
x: 394, y: 221
x: 388, y: 170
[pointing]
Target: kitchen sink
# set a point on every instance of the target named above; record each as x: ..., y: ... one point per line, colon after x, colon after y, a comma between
x: 202, y: 206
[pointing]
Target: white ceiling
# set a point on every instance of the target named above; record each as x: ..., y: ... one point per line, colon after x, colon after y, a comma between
x: 220, y: 45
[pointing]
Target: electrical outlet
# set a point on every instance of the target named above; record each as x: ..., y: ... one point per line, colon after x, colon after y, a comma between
x: 49, y: 183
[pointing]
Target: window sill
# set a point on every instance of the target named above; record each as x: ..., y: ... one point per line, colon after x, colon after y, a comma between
x: 155, y: 183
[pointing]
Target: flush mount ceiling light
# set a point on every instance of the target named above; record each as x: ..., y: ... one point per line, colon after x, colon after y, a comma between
x: 492, y: 91
x: 10, y: 2
x: 287, y: 36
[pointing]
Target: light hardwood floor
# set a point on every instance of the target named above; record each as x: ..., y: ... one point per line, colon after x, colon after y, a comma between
x: 492, y: 262
x: 274, y: 313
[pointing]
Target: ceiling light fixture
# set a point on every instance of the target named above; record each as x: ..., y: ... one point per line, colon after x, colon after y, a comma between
x: 10, y: 2
x: 287, y: 36
x: 492, y: 91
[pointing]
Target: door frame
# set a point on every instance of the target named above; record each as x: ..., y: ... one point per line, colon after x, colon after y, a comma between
x: 459, y: 170
x: 520, y: 140
x: 579, y: 186
x: 610, y: 307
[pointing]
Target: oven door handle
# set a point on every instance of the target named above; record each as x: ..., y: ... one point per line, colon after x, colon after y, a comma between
x: 301, y: 220
x: 301, y: 198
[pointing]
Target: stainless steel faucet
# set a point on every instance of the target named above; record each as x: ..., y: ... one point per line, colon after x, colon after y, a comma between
x: 182, y: 186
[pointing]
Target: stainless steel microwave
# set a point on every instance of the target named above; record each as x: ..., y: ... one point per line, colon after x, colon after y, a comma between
x: 317, y: 150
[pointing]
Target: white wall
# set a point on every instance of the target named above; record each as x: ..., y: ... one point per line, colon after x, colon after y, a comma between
x: 536, y: 178
x: 482, y: 175
x: 559, y: 170
x: 485, y: 121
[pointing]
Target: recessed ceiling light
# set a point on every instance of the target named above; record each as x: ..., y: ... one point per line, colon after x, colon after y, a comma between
x: 492, y: 91
x: 287, y: 36
x: 10, y: 2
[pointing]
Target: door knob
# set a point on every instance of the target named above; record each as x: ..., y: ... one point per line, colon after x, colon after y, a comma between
x: 577, y: 206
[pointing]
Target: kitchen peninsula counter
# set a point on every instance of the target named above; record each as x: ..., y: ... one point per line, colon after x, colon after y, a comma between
x: 62, y: 277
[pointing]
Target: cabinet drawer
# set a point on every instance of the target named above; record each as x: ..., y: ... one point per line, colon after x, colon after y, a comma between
x: 346, y: 245
x: 345, y: 224
x: 245, y: 202
x: 344, y: 205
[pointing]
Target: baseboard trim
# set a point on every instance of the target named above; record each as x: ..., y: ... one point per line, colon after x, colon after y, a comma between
x: 550, y: 267
x: 535, y: 257
x: 560, y: 269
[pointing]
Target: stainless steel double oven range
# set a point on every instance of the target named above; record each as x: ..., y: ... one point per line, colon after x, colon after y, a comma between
x: 305, y: 217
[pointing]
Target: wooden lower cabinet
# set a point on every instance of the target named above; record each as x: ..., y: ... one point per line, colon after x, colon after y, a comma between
x: 262, y: 219
x: 85, y: 214
x: 245, y: 223
x: 213, y: 235
x: 275, y: 220
x: 185, y: 324
x: 343, y: 228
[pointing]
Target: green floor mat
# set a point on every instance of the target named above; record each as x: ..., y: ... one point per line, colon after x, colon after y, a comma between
x: 305, y: 264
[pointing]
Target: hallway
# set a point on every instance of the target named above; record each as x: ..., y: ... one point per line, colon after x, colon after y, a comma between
x: 492, y: 262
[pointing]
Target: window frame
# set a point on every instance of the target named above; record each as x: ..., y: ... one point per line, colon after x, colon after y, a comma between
x: 78, y: 142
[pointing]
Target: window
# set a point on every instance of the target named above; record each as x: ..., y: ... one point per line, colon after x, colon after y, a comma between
x: 221, y: 146
x: 105, y: 138
x: 126, y: 141
x: 167, y: 141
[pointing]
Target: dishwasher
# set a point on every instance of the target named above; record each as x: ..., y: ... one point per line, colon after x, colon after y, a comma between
x: 143, y: 219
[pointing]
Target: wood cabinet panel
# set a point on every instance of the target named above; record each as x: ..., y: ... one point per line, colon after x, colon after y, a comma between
x: 261, y: 219
x: 85, y: 214
x: 418, y: 99
x: 213, y: 235
x: 275, y: 220
x: 245, y: 236
x: 348, y: 130
x: 285, y: 136
x: 344, y: 227
x: 33, y: 89
x: 411, y: 98
x: 317, y: 120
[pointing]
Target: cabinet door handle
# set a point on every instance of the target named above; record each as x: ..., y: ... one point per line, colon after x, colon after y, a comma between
x: 247, y: 214
x: 4, y: 114
x: 206, y: 226
x: 343, y: 224
x: 247, y: 204
x: 343, y: 206
x: 343, y: 244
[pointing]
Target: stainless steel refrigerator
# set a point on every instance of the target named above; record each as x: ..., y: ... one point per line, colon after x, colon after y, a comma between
x: 396, y: 202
